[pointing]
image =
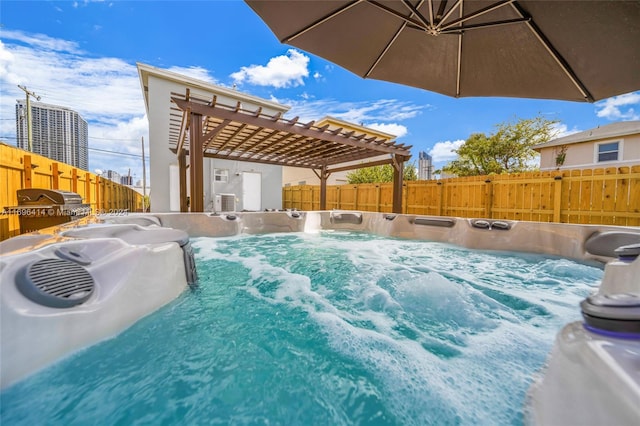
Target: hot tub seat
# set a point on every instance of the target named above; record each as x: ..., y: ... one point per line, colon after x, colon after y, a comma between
x: 92, y: 282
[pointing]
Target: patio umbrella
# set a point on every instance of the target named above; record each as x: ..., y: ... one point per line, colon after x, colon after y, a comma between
x: 571, y: 50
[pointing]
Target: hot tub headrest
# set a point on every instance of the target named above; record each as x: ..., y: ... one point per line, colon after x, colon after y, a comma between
x: 605, y: 243
x: 131, y: 233
x: 346, y: 217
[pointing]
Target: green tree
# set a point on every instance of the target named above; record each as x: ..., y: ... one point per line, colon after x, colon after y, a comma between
x: 379, y: 174
x: 508, y: 150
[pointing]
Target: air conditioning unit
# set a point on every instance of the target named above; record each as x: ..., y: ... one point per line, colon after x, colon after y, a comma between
x: 225, y: 203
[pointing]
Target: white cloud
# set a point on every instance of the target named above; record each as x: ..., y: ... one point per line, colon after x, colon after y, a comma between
x: 281, y: 71
x: 41, y: 41
x: 6, y: 71
x: 561, y: 130
x: 398, y: 130
x: 381, y: 111
x: 619, y: 107
x: 443, y: 151
x: 127, y: 136
x: 104, y: 91
x: 198, y: 73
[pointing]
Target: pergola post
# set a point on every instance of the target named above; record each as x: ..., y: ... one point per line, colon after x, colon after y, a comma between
x: 196, y: 157
x: 182, y: 171
x: 398, y: 172
x: 323, y: 187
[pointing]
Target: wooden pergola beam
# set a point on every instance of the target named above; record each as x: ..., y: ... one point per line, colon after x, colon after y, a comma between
x: 276, y: 124
x: 251, y: 136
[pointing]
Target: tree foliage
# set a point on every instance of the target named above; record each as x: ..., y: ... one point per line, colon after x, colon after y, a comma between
x: 379, y: 174
x: 508, y: 150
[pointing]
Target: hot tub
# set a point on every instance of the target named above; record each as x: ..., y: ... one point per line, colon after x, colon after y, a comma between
x: 138, y: 263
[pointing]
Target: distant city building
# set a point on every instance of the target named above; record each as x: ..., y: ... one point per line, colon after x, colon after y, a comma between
x: 425, y: 166
x: 111, y: 175
x: 57, y: 132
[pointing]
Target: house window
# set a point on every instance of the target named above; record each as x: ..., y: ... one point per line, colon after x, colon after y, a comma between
x: 608, y: 151
x: 221, y: 175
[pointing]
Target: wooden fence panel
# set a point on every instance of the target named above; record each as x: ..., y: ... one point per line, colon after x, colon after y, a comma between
x: 386, y: 198
x: 599, y: 189
x: 21, y: 169
x: 599, y: 196
x: 633, y: 203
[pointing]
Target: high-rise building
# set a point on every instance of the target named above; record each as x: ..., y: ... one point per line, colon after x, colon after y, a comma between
x: 57, y: 132
x: 111, y: 175
x: 126, y: 180
x: 425, y: 166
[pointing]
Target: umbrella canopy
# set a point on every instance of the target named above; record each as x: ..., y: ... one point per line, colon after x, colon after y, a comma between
x: 571, y: 50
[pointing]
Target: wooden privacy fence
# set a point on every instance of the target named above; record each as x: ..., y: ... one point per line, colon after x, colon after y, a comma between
x: 22, y: 169
x: 599, y: 196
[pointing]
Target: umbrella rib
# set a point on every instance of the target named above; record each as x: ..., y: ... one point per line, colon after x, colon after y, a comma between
x: 393, y: 39
x: 446, y: 16
x: 320, y: 21
x: 554, y: 53
x: 488, y: 24
x: 430, y: 2
x: 459, y: 57
x: 407, y: 19
x: 480, y: 12
x: 414, y: 10
x: 386, y: 48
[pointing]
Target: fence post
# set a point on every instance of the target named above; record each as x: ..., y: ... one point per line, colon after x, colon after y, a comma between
x: 489, y: 199
x: 377, y: 198
x: 74, y: 180
x: 557, y: 197
x: 439, y: 200
x: 405, y: 198
x: 28, y: 171
x: 55, y: 182
x: 87, y: 188
x: 355, y: 197
x: 98, y: 206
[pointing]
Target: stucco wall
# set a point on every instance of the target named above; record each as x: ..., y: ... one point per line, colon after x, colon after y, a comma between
x: 162, y: 158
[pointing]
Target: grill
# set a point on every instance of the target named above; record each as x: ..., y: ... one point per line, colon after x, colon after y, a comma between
x: 41, y: 208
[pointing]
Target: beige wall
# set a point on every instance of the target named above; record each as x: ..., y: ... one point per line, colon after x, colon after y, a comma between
x: 584, y: 154
x: 299, y: 176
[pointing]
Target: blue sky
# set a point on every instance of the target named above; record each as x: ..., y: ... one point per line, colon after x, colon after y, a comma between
x: 82, y: 55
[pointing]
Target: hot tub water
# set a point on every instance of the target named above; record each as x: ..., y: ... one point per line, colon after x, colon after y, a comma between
x: 326, y: 328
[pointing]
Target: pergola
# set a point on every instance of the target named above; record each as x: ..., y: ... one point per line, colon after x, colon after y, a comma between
x: 202, y: 128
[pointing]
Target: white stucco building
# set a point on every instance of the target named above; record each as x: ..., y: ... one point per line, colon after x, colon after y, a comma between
x: 249, y: 186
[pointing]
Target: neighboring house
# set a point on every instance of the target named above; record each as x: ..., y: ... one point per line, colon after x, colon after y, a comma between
x: 228, y: 184
x: 613, y: 145
x: 292, y: 176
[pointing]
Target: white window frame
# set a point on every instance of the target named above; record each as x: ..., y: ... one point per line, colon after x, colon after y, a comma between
x: 596, y: 156
x: 221, y: 175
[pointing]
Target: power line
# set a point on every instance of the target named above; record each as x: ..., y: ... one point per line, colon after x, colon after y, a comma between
x: 117, y: 153
x: 95, y: 149
x: 111, y: 139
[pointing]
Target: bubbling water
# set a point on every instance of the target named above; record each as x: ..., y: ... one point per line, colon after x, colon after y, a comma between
x: 325, y: 328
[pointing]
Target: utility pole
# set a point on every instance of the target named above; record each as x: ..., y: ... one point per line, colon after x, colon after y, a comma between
x: 144, y: 180
x: 28, y: 95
